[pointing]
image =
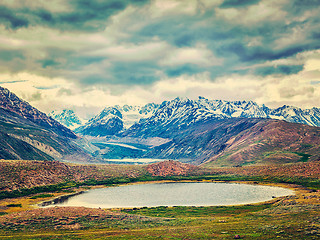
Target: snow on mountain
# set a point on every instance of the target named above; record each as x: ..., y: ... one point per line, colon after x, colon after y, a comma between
x: 133, y: 114
x: 67, y: 117
x: 107, y: 122
x: 180, y: 113
x: 293, y: 114
x: 113, y: 120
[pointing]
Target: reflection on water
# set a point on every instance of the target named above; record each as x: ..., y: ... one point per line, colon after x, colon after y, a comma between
x: 175, y: 194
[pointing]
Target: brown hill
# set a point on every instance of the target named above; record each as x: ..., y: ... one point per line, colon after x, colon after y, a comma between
x: 269, y: 142
x: 242, y: 141
x: 170, y: 168
x: 27, y: 174
x: 19, y: 174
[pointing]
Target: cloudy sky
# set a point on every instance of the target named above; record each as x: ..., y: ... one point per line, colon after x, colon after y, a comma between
x: 87, y: 54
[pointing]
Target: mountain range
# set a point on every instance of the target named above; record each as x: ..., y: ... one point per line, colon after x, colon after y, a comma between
x: 117, y: 119
x: 202, y: 131
x: 113, y: 120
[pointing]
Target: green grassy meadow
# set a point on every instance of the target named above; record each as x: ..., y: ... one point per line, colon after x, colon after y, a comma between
x: 291, y: 217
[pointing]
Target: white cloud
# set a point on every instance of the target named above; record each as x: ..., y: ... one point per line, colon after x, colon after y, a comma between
x: 162, y: 8
x: 295, y: 36
x: 267, y: 10
x: 133, y: 52
x: 49, y: 94
x: 198, y: 55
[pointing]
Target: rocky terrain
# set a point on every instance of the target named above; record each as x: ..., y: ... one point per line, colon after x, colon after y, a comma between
x: 9, y: 101
x: 298, y: 170
x: 241, y: 141
x: 179, y: 114
x: 171, y: 168
x: 194, y: 131
x: 28, y: 174
x: 26, y: 133
x: 107, y: 122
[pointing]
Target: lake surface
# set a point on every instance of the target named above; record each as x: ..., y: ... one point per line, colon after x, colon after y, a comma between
x: 133, y: 161
x: 176, y: 194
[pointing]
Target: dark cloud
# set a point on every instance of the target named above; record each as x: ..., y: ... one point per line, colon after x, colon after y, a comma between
x: 85, y: 15
x: 11, y: 19
x: 238, y: 3
x: 298, y: 6
x: 64, y: 92
x: 135, y: 73
x: 121, y: 73
x: 17, y: 81
x: 238, y: 45
x: 184, y: 40
x: 282, y: 69
x: 316, y: 35
x: 188, y: 69
x: 9, y: 55
x: 48, y: 63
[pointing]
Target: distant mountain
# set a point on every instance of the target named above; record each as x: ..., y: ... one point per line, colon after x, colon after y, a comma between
x: 297, y: 115
x: 153, y: 119
x: 133, y: 114
x: 67, y: 118
x: 107, y: 122
x: 178, y: 114
x: 203, y: 130
x: 27, y: 133
x: 241, y: 141
x: 113, y: 120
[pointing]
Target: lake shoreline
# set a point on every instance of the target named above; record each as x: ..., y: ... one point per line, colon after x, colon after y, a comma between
x: 295, y: 188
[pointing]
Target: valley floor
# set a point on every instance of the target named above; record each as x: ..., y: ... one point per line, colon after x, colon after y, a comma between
x: 291, y: 217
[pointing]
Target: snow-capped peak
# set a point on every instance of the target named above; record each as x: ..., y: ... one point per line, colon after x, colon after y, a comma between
x: 67, y: 117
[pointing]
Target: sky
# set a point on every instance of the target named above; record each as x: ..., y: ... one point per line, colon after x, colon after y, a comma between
x: 88, y: 54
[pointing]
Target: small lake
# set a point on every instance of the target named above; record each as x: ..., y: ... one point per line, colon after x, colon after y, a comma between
x: 134, y: 161
x: 176, y: 194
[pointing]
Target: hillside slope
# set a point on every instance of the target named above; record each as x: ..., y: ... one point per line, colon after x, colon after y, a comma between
x: 269, y: 142
x: 241, y: 141
x: 14, y: 104
x: 27, y: 133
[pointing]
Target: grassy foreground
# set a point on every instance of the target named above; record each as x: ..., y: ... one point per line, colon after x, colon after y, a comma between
x: 292, y: 217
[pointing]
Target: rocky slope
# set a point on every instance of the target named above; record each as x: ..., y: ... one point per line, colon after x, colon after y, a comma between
x: 27, y: 174
x: 171, y: 168
x: 241, y: 141
x: 12, y: 103
x: 27, y: 133
x: 270, y: 142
